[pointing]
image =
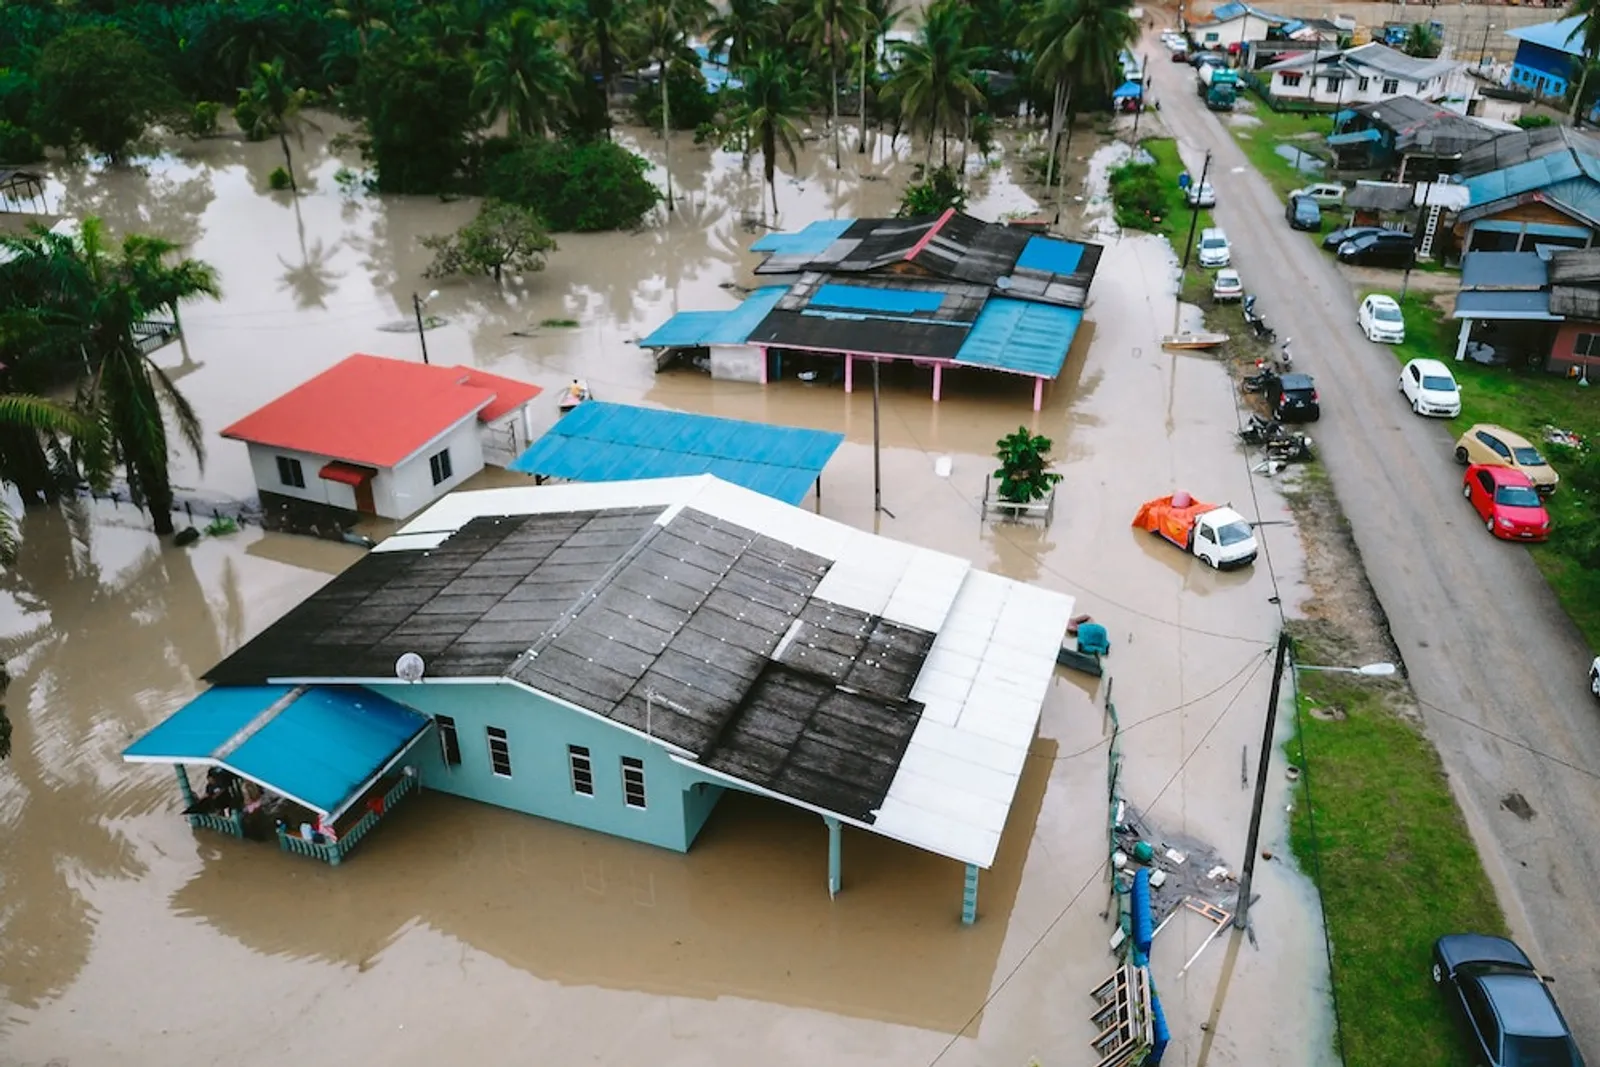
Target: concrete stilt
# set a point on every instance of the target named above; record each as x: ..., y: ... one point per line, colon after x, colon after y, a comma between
x: 835, y: 855
x: 938, y: 380
x: 969, y: 894
x: 1038, y: 393
x: 849, y: 374
x: 763, y: 352
x: 1461, y: 341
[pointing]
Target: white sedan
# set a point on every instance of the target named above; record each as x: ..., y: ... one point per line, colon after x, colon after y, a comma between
x: 1202, y: 195
x: 1431, y: 388
x: 1380, y: 319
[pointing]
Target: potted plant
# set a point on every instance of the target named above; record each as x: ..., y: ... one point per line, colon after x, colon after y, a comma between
x: 1024, y: 477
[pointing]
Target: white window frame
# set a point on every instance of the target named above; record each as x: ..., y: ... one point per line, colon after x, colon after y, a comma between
x: 293, y: 467
x: 580, y: 770
x: 497, y: 735
x: 1290, y: 81
x: 1390, y: 86
x: 633, y: 783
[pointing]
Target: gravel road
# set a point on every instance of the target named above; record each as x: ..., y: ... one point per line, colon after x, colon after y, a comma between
x: 1497, y: 665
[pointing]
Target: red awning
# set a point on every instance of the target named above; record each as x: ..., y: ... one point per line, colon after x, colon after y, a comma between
x: 347, y: 473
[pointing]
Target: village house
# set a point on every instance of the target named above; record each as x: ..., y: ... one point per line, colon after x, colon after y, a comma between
x: 1234, y: 26
x: 615, y: 656
x: 1530, y: 188
x: 1548, y: 57
x: 1418, y: 139
x: 1366, y: 74
x: 384, y: 437
x: 1539, y: 307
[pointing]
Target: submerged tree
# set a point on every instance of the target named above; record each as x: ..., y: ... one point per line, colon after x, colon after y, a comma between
x: 522, y: 75
x: 504, y: 237
x: 933, y: 82
x: 99, y: 87
x: 1024, y: 461
x: 666, y: 27
x: 825, y: 26
x: 45, y: 422
x: 766, y: 111
x: 271, y: 107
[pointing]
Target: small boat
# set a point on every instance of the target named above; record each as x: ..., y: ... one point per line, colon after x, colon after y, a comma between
x: 1194, y: 340
x: 575, y: 394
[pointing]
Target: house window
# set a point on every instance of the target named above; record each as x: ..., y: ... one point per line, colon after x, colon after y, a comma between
x: 439, y: 464
x: 1333, y: 84
x: 499, y: 752
x: 1362, y: 83
x: 290, y: 472
x: 1290, y: 81
x: 633, y: 782
x: 449, y: 741
x: 582, y: 770
x: 1391, y: 86
x: 1586, y: 344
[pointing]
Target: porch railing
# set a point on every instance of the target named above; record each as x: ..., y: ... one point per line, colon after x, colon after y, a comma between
x: 333, y: 853
x: 223, y: 824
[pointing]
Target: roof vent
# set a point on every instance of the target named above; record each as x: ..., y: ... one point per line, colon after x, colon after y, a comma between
x: 1003, y: 282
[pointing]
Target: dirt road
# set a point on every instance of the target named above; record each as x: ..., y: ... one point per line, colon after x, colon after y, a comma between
x: 1499, y: 668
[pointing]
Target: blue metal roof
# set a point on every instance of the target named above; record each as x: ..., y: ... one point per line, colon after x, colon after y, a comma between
x: 692, y: 329
x: 1534, y: 174
x: 1359, y: 136
x: 601, y: 442
x: 1504, y: 305
x: 1050, y: 255
x: 810, y: 241
x: 1565, y: 35
x: 1020, y: 336
x: 872, y: 298
x: 1503, y: 270
x: 316, y: 745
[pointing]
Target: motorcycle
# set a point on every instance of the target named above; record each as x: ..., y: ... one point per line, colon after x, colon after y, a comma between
x: 1261, y: 431
x: 1285, y: 357
x: 1257, y: 382
x: 1290, y: 448
x: 1257, y: 323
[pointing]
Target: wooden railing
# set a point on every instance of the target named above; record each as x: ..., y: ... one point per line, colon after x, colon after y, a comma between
x: 334, y: 853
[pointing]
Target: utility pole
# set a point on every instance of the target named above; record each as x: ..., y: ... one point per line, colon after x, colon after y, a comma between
x: 1241, y: 913
x: 1188, y: 246
x: 877, y: 466
x: 416, y: 306
x: 1138, y: 104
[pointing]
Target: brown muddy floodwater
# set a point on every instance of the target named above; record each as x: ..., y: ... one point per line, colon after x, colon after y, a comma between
x: 463, y: 933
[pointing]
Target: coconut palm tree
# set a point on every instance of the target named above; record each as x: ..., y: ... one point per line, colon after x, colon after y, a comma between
x: 665, y: 29
x: 933, y: 81
x: 1077, y: 45
x: 741, y: 31
x: 881, y: 18
x: 91, y: 297
x: 271, y: 107
x: 825, y: 27
x: 600, y: 34
x: 38, y: 418
x: 522, y: 75
x: 768, y: 106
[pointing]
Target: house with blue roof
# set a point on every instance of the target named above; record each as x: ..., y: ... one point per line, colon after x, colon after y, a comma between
x: 1548, y: 57
x: 946, y: 292
x: 1234, y: 26
x: 1530, y: 188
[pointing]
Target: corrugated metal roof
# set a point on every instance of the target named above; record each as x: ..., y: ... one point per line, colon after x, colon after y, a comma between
x: 1501, y: 304
x: 1578, y: 266
x: 1378, y: 196
x: 1359, y: 136
x: 1021, y: 337
x: 1565, y: 35
x: 694, y: 329
x: 1519, y: 146
x: 317, y: 745
x: 1503, y: 270
x: 812, y: 240
x: 1575, y: 302
x: 603, y: 442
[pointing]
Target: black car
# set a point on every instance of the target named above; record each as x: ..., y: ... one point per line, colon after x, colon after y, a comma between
x: 1390, y: 248
x: 1214, y: 59
x: 1348, y: 233
x: 1506, y: 1006
x: 1293, y: 398
x: 1303, y: 213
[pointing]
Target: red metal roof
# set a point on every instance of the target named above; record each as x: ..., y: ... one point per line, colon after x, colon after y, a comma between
x: 378, y: 411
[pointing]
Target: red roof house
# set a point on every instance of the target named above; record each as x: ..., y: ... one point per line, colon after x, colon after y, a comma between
x: 385, y: 436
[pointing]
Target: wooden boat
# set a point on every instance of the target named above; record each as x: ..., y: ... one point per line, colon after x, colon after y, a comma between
x: 1194, y: 340
x: 575, y: 394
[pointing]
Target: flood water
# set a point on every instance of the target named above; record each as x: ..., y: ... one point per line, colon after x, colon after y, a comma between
x: 463, y: 933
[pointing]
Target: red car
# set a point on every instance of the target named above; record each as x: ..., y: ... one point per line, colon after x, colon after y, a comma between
x: 1507, y: 502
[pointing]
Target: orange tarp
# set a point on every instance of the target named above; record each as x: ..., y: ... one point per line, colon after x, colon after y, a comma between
x: 1169, y: 520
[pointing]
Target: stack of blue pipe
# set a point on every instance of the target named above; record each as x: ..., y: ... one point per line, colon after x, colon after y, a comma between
x: 1143, y: 935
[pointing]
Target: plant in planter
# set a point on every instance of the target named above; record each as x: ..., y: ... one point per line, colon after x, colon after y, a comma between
x: 1023, y: 458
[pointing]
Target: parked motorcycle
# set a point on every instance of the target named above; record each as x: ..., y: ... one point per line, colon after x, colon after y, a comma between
x: 1261, y: 430
x: 1255, y: 383
x: 1290, y: 448
x: 1257, y: 323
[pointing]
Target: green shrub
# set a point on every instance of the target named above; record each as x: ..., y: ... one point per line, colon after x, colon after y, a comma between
x: 692, y: 103
x: 244, y: 113
x: 1534, y: 122
x: 19, y: 145
x: 278, y: 180
x: 202, y: 120
x: 1139, y: 196
x: 575, y: 185
x: 938, y: 191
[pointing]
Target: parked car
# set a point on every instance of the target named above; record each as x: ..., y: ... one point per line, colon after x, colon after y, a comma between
x: 1214, y: 248
x: 1348, y: 233
x: 1504, y: 1003
x: 1227, y: 285
x: 1390, y: 248
x: 1214, y: 59
x: 1326, y: 194
x: 1179, y: 55
x: 1380, y: 319
x: 1303, y: 213
x: 1507, y: 502
x: 1202, y: 195
x: 1431, y: 388
x: 1293, y: 398
x: 1496, y: 445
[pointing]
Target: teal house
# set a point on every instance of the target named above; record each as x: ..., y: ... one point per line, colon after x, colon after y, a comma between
x: 617, y: 656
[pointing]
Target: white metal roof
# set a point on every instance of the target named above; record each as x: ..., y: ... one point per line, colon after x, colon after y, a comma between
x: 982, y: 685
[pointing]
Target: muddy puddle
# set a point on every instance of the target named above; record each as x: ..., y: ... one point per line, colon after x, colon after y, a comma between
x: 461, y: 931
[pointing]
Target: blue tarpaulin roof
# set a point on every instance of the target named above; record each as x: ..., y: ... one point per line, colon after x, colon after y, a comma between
x: 1128, y: 89
x: 601, y: 442
x: 1354, y: 138
x: 1020, y: 336
x: 873, y: 298
x: 693, y: 329
x: 317, y: 745
x: 1563, y: 36
x: 810, y: 241
x: 1050, y: 255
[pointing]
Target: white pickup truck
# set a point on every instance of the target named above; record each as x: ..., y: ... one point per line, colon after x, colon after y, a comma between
x: 1218, y: 535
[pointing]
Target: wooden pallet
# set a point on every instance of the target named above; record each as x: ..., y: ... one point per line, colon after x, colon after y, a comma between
x: 1122, y: 1015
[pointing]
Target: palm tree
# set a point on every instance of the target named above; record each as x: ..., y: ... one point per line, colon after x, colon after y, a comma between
x: 824, y: 26
x: 666, y: 27
x: 599, y: 35
x: 881, y: 17
x: 93, y: 298
x: 1587, y: 33
x: 272, y: 106
x: 744, y: 29
x: 933, y: 83
x: 1077, y: 44
x: 39, y: 418
x: 523, y: 75
x: 362, y: 15
x: 768, y: 106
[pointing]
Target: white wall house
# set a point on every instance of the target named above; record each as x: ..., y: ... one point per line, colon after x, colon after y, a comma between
x: 1234, y: 25
x: 383, y: 436
x: 1366, y: 74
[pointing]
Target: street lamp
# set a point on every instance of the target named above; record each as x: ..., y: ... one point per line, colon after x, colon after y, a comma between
x: 1247, y: 872
x: 417, y: 304
x: 1484, y: 51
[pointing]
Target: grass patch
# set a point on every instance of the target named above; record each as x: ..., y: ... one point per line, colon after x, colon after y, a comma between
x: 1526, y: 400
x: 1260, y: 141
x: 1146, y: 196
x: 1395, y: 864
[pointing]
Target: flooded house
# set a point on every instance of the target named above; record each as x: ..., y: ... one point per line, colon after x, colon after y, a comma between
x: 386, y: 437
x: 941, y: 292
x: 619, y: 655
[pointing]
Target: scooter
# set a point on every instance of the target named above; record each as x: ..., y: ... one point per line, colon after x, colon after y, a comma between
x: 1285, y: 357
x: 1257, y: 323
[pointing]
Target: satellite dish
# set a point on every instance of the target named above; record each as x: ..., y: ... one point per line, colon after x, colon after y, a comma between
x: 409, y: 667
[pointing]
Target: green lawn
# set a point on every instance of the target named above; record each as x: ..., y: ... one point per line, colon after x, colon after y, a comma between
x: 1524, y: 401
x: 1260, y: 141
x: 1395, y: 865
